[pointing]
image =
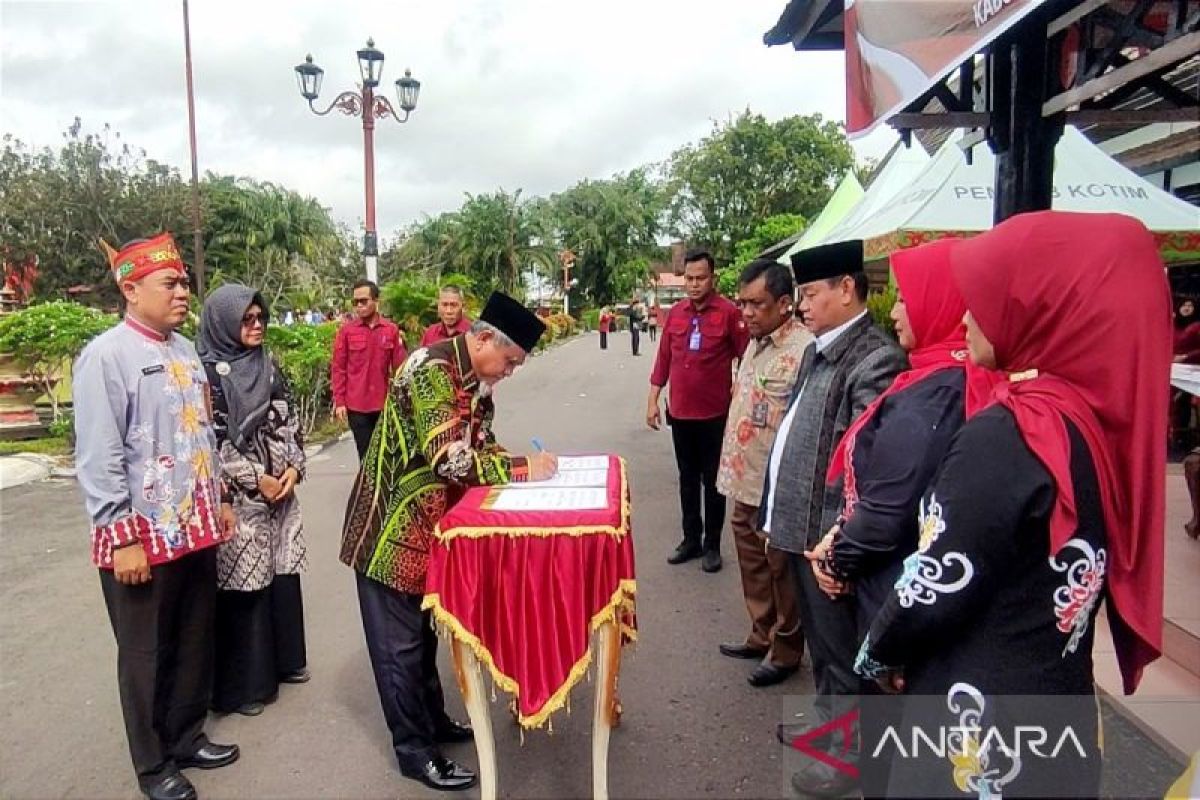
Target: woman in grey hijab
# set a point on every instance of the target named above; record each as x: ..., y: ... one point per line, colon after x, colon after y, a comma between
x: 260, y: 616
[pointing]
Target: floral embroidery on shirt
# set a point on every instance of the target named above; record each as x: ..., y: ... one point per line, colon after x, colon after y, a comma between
x: 865, y: 665
x: 1074, y: 602
x: 925, y: 577
x: 976, y: 766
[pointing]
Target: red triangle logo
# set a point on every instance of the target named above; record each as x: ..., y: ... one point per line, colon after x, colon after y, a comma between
x: 846, y: 724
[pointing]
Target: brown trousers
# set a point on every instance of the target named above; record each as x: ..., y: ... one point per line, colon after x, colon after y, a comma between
x: 769, y: 591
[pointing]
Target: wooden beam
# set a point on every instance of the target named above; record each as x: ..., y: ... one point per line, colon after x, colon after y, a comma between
x: 1080, y: 11
x: 951, y: 119
x: 1106, y: 116
x: 1170, y: 53
x: 1094, y: 116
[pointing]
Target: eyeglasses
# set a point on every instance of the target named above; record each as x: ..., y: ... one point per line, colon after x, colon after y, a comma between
x: 361, y: 301
x: 251, y: 320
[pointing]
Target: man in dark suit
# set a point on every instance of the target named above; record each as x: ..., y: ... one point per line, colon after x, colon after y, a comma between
x: 847, y: 366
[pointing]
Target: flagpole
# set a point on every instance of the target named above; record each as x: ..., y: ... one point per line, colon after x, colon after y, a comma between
x: 191, y: 103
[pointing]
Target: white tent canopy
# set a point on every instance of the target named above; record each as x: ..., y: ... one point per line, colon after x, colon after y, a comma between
x: 900, y: 169
x: 952, y: 197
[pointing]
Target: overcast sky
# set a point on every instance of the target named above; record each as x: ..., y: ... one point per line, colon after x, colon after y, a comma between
x: 530, y: 94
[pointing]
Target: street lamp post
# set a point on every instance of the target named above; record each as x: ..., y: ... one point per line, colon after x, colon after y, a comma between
x: 369, y: 106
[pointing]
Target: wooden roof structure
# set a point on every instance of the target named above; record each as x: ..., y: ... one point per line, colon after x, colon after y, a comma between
x: 1103, y: 65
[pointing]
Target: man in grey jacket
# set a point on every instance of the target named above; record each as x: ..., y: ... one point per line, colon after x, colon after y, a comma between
x: 848, y: 365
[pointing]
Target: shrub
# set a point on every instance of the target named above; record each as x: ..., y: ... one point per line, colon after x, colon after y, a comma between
x: 880, y: 305
x: 43, y: 339
x: 303, y: 353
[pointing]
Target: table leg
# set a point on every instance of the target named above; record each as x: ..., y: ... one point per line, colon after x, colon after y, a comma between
x: 606, y: 711
x: 470, y: 681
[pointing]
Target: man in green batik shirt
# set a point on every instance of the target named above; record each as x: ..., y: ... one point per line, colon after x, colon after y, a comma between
x: 433, y: 440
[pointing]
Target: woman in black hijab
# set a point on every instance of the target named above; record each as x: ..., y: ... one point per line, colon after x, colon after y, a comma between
x: 260, y: 619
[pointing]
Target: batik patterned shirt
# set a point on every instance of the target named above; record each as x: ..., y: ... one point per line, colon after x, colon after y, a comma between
x: 145, y: 448
x: 433, y: 439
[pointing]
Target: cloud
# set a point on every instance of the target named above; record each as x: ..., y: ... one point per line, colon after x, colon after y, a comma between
x: 531, y: 94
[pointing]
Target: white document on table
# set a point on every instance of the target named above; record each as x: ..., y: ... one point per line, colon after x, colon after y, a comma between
x: 582, y: 478
x: 511, y: 498
x: 569, y: 463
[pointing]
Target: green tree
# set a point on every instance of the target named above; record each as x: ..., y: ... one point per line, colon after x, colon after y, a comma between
x: 770, y: 231
x: 750, y: 169
x: 612, y: 226
x: 273, y: 239
x: 56, y: 205
x: 43, y: 339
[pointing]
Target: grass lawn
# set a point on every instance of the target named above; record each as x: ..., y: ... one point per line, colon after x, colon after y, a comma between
x: 47, y: 446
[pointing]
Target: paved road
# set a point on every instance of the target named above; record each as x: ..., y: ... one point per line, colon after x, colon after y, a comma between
x: 692, y: 726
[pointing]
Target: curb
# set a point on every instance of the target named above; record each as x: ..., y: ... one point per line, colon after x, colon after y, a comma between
x: 22, y: 468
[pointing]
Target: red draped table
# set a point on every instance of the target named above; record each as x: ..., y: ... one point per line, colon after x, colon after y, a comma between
x: 521, y: 592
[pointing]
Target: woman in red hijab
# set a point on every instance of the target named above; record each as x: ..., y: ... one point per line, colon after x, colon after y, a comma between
x: 1049, y: 500
x: 890, y: 453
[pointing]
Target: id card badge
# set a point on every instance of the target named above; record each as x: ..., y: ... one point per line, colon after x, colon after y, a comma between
x: 758, y: 414
x: 694, y: 338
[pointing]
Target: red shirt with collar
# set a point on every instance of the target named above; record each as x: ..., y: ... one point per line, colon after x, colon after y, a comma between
x: 364, y: 357
x: 437, y: 332
x: 701, y: 381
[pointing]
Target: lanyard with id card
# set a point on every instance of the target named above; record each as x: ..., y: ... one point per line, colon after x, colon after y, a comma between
x: 694, y: 337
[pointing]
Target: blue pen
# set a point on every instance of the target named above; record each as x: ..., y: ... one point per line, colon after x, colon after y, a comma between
x: 537, y: 445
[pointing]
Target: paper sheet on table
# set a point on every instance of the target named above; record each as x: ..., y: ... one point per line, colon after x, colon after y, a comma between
x: 563, y: 499
x: 581, y: 478
x: 568, y: 463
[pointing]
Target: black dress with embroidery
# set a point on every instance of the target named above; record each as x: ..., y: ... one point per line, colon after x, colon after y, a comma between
x: 895, y: 457
x: 992, y: 633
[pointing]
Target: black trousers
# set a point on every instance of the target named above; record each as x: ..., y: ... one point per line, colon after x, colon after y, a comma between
x: 259, y: 640
x: 603, y: 340
x: 635, y: 337
x: 164, y: 632
x: 831, y: 631
x: 653, y: 333
x: 698, y: 455
x: 403, y: 649
x: 362, y: 425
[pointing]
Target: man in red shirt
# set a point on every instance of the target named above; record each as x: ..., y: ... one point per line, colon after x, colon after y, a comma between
x: 701, y: 338
x: 365, y: 353
x: 451, y: 321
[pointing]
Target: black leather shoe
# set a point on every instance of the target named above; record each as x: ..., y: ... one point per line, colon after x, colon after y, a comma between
x: 443, y: 775
x: 301, y: 675
x: 211, y: 756
x: 173, y: 787
x: 742, y: 651
x: 766, y: 674
x: 825, y: 783
x: 685, y: 552
x: 711, y: 561
x: 451, y: 732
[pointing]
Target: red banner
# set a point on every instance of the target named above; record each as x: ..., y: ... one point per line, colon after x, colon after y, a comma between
x: 897, y: 49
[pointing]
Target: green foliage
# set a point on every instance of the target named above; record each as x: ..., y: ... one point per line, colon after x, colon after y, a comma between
x: 558, y: 326
x: 770, y: 231
x: 880, y: 305
x: 590, y: 320
x: 56, y: 204
x: 47, y: 446
x: 44, y: 339
x: 411, y: 303
x: 750, y: 169
x: 491, y: 240
x: 303, y: 353
x: 612, y: 228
